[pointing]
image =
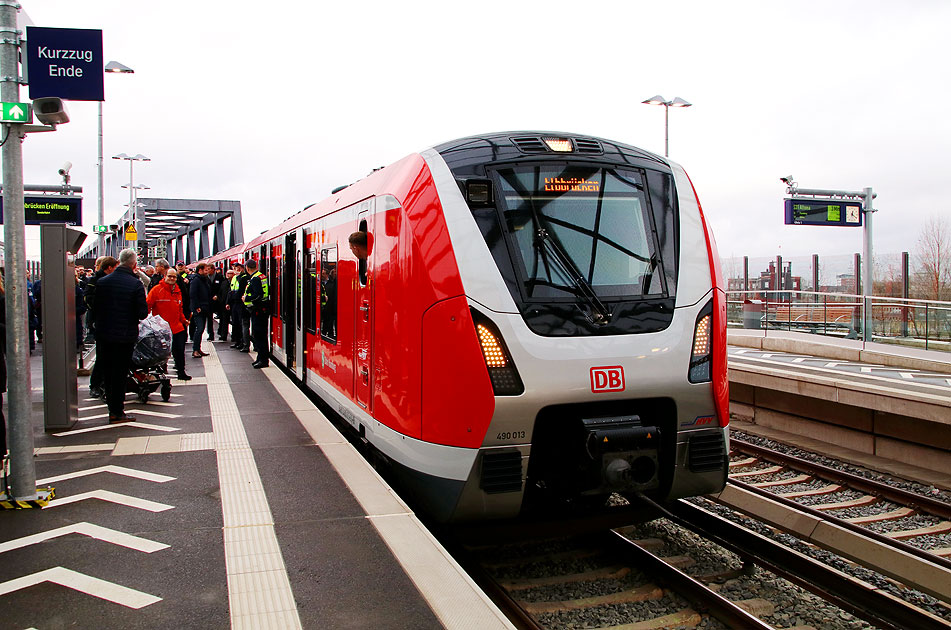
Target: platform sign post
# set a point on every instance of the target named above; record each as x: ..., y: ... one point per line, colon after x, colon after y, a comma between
x: 23, y: 489
x: 813, y: 206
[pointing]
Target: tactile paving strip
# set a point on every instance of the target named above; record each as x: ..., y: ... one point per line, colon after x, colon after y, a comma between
x: 259, y: 591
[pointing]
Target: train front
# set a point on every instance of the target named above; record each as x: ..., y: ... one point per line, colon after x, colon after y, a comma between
x: 594, y: 289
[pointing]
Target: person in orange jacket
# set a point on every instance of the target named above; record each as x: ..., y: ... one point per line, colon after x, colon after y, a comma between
x: 165, y: 300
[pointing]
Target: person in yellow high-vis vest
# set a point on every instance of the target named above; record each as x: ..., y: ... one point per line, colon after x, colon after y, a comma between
x: 257, y: 300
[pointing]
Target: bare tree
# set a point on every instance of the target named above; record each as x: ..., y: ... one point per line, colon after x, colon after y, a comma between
x: 888, y: 276
x: 933, y: 255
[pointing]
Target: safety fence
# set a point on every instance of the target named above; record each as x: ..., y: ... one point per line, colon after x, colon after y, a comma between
x: 916, y: 323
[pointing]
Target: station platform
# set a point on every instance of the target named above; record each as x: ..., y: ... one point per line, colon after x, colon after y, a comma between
x: 888, y: 405
x: 235, y: 504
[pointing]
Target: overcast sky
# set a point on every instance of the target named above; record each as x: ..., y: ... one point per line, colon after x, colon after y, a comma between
x: 276, y: 104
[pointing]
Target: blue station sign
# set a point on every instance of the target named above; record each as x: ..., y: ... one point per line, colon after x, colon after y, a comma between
x: 50, y: 209
x: 842, y: 212
x: 65, y: 63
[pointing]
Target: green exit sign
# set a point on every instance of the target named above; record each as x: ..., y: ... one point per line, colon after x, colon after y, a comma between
x: 97, y: 229
x: 16, y: 113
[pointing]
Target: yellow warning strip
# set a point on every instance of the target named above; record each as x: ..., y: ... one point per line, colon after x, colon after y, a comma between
x: 46, y: 494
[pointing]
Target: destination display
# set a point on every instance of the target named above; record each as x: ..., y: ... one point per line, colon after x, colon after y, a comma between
x: 38, y: 210
x: 842, y: 212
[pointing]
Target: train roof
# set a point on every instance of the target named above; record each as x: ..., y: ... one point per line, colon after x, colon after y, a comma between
x: 472, y: 152
x: 395, y: 179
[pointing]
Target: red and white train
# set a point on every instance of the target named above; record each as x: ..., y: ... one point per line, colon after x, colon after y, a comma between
x: 539, y: 321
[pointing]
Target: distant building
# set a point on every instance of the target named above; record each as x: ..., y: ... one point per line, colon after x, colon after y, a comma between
x: 768, y: 286
x: 845, y: 283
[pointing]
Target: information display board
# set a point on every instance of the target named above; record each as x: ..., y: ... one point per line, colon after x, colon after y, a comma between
x: 842, y: 212
x: 38, y: 210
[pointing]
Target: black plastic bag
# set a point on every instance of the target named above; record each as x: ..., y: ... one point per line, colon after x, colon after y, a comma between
x: 154, y: 345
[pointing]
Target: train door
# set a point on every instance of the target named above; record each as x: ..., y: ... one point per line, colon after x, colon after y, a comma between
x: 288, y: 315
x: 299, y: 345
x: 363, y: 312
x: 311, y: 300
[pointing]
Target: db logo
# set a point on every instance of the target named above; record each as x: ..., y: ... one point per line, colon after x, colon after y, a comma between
x: 607, y: 379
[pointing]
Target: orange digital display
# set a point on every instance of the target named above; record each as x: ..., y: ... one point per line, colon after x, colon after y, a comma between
x: 571, y: 184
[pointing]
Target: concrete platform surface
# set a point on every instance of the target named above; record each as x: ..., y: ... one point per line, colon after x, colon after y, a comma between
x: 845, y: 349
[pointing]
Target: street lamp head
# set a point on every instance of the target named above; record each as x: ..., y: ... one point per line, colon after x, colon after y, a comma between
x: 679, y: 102
x: 116, y: 67
x: 138, y: 157
x: 656, y: 100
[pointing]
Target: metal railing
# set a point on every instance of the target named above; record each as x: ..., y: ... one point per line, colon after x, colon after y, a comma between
x: 915, y: 323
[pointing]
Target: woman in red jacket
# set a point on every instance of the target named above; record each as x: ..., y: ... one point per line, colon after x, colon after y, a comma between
x: 165, y: 300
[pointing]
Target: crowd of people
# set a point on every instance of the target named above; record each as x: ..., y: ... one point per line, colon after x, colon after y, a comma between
x: 119, y: 294
x: 114, y: 297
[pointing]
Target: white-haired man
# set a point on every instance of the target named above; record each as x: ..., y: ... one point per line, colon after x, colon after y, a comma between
x: 120, y: 304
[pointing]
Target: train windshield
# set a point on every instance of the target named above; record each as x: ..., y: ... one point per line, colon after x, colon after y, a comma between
x: 580, y: 231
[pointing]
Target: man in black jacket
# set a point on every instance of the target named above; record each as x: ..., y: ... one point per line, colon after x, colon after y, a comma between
x: 224, y: 308
x: 104, y: 266
x: 257, y: 301
x: 161, y: 266
x: 119, y: 304
x: 215, y: 280
x: 200, y: 300
x: 240, y: 319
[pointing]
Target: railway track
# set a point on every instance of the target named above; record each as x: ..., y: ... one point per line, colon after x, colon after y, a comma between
x: 689, y: 569
x: 603, y: 580
x: 897, y: 533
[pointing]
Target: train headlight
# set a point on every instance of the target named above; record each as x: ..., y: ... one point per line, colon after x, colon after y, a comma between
x: 502, y: 371
x: 491, y: 349
x: 701, y: 356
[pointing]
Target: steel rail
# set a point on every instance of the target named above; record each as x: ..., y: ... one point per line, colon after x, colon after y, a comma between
x: 844, y: 524
x: 720, y: 607
x: 897, y: 495
x: 859, y: 598
x: 519, y: 617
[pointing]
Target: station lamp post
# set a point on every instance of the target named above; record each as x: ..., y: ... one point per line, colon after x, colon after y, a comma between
x: 660, y: 100
x: 136, y: 220
x: 113, y: 67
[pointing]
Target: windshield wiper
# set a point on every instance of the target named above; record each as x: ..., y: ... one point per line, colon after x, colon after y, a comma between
x: 600, y: 315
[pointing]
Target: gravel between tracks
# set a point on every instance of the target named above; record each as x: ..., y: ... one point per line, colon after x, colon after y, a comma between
x: 904, y: 484
x: 916, y: 598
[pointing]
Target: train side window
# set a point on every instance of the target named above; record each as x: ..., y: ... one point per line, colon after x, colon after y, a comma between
x: 310, y: 291
x: 360, y: 246
x: 328, y: 294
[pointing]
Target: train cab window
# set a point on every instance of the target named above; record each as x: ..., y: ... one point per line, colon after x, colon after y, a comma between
x: 310, y: 291
x: 328, y: 294
x: 581, y: 230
